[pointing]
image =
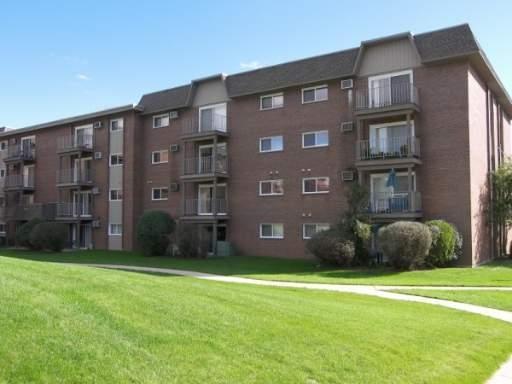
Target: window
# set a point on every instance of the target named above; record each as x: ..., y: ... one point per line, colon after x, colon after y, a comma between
x: 315, y: 139
x: 310, y: 229
x: 116, y: 125
x: 115, y: 229
x: 159, y: 157
x: 116, y: 159
x: 160, y: 121
x: 271, y: 187
x: 2, y: 173
x: 3, y: 146
x: 116, y: 194
x: 315, y: 185
x: 213, y: 118
x: 159, y: 193
x: 2, y: 228
x: 391, y: 89
x: 314, y: 94
x: 271, y: 101
x: 271, y: 231
x: 271, y: 144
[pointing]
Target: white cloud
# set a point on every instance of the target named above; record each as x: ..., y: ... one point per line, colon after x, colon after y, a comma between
x: 250, y: 65
x: 81, y: 76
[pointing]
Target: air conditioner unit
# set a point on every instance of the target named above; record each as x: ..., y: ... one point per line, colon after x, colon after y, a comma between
x: 173, y: 115
x: 347, y: 175
x: 175, y: 147
x: 98, y: 155
x: 95, y: 191
x: 97, y: 124
x: 96, y: 224
x: 347, y: 84
x: 347, y: 126
x: 175, y: 187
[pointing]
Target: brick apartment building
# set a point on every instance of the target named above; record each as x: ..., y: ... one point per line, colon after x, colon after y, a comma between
x: 261, y: 159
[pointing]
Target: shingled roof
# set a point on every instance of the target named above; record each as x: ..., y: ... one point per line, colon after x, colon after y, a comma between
x: 432, y: 46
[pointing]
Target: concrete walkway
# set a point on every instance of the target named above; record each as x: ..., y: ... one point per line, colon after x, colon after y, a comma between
x: 502, y: 376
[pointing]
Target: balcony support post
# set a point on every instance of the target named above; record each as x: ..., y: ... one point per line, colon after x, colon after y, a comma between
x: 410, y: 148
x: 410, y: 190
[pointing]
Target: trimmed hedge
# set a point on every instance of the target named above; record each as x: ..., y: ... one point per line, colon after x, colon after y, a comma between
x: 49, y: 236
x: 330, y: 247
x: 153, y: 231
x: 445, y: 243
x: 405, y: 244
x: 24, y: 231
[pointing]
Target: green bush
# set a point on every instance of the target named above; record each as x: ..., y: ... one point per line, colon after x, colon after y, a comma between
x: 445, y: 243
x: 405, y: 244
x: 330, y: 247
x: 49, y: 236
x: 189, y: 242
x: 153, y: 232
x: 23, y: 233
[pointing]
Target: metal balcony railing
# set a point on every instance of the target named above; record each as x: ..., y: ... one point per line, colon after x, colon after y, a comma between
x: 388, y: 148
x: 26, y: 152
x: 32, y: 211
x: 389, y: 202
x: 75, y: 142
x: 204, y: 165
x: 74, y: 176
x: 206, y: 207
x: 19, y: 182
x: 207, y: 123
x: 386, y: 96
x: 73, y: 210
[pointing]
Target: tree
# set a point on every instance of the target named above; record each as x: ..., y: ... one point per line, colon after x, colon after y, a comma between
x: 153, y: 231
x: 501, y: 213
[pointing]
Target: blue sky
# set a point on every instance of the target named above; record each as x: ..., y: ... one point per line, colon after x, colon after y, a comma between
x: 62, y: 58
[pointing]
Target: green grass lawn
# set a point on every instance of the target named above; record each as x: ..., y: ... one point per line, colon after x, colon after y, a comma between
x: 72, y: 324
x: 491, y: 299
x: 494, y: 274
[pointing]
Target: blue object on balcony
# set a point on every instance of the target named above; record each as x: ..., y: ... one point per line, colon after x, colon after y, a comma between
x: 391, y: 179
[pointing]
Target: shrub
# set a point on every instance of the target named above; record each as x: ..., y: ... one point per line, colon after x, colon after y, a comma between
x: 190, y: 244
x: 445, y: 243
x: 23, y: 233
x: 330, y: 247
x: 153, y: 230
x: 405, y: 244
x: 49, y: 236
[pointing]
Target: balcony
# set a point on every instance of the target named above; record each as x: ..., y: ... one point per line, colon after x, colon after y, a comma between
x: 32, y: 211
x: 75, y: 143
x: 19, y: 182
x: 386, y: 98
x: 74, y: 177
x: 207, y: 125
x: 388, y: 151
x: 205, y: 208
x: 73, y: 211
x: 392, y: 206
x: 21, y: 152
x: 205, y: 167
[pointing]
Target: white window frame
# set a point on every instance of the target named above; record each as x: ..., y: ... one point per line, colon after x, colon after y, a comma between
x: 315, y: 89
x: 272, y: 150
x: 386, y: 76
x: 119, y: 192
x: 213, y: 106
x: 304, y: 237
x: 316, y: 145
x: 304, y: 179
x: 118, y: 155
x: 120, y: 125
x: 160, y: 199
x: 273, y: 236
x: 271, y: 193
x: 111, y: 233
x: 272, y: 96
x: 161, y: 116
x: 160, y: 152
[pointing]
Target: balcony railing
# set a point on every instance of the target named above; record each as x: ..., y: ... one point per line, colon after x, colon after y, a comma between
x: 81, y: 142
x: 207, y: 123
x: 19, y: 182
x: 388, y: 148
x: 206, y: 207
x: 32, y: 211
x: 386, y: 96
x: 389, y: 203
x: 25, y: 152
x: 205, y: 165
x: 72, y: 210
x: 74, y: 176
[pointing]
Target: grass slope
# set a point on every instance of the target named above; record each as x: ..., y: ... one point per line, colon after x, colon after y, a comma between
x: 491, y: 299
x: 71, y: 324
x: 494, y: 274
